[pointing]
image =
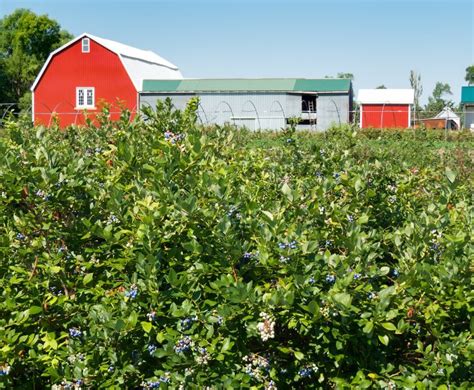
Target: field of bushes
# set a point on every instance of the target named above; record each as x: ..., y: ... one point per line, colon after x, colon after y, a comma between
x: 160, y: 254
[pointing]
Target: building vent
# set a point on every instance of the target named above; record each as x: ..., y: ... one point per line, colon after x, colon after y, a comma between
x: 86, y: 45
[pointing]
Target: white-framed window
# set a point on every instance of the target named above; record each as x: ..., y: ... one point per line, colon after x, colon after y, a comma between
x: 86, y: 45
x: 85, y: 97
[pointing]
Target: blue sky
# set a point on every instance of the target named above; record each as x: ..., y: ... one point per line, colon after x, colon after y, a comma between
x: 379, y: 41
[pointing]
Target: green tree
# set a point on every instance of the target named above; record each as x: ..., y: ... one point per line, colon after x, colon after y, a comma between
x: 437, y: 101
x: 382, y: 86
x: 342, y: 75
x: 415, y: 82
x: 470, y: 75
x: 26, y: 39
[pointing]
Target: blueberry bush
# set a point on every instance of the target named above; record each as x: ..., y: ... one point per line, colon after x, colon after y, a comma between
x: 160, y: 254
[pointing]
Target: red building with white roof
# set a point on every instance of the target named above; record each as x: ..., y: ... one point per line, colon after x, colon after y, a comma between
x: 385, y: 108
x: 79, y: 78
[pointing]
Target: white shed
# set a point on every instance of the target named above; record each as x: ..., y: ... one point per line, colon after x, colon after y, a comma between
x: 449, y: 115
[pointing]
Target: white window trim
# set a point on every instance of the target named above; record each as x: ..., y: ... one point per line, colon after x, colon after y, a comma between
x: 85, y: 105
x: 88, y: 45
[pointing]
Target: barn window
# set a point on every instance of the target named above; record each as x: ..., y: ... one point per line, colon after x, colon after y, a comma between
x: 308, y: 103
x: 85, y: 97
x: 86, y: 45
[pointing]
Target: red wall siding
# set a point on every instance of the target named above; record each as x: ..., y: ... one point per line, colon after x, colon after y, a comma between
x: 70, y: 68
x: 388, y: 115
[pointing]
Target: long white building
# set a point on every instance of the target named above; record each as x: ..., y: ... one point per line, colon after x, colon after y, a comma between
x: 259, y: 104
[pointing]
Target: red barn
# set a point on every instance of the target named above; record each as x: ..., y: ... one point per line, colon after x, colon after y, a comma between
x: 79, y: 78
x: 385, y: 108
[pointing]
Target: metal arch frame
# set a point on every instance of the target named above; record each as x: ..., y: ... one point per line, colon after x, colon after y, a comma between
x: 48, y: 111
x: 256, y: 112
x: 30, y: 109
x: 77, y: 112
x: 337, y: 110
x: 281, y: 110
x: 134, y: 110
x: 7, y: 110
x: 204, y: 111
x: 145, y: 103
x: 281, y: 107
x: 230, y: 108
x: 140, y: 111
x: 52, y: 111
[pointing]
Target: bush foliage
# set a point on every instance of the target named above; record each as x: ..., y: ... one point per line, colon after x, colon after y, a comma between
x: 156, y: 253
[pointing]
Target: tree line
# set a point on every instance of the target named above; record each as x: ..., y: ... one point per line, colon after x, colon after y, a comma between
x: 26, y: 40
x: 440, y: 97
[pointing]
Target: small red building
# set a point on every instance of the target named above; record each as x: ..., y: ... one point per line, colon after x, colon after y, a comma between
x: 385, y: 108
x: 79, y: 78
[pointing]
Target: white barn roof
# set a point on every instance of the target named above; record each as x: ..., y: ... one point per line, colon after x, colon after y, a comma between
x: 386, y: 96
x: 139, y: 64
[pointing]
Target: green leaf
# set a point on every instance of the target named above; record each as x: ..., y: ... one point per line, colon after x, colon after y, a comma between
x: 172, y: 278
x: 88, y: 278
x: 148, y: 167
x: 226, y: 345
x: 287, y: 191
x: 119, y: 324
x: 35, y: 310
x: 343, y: 298
x: 368, y: 327
x: 384, y: 339
x: 389, y: 326
x: 299, y: 355
x: 160, y: 337
x: 398, y: 240
x: 459, y: 237
x: 160, y: 353
x: 450, y: 175
x: 284, y: 349
x: 387, y: 292
x: 313, y: 308
x: 268, y: 214
x: 384, y: 270
x: 132, y: 319
x: 53, y: 343
x: 146, y: 326
x: 107, y: 232
x: 50, y: 341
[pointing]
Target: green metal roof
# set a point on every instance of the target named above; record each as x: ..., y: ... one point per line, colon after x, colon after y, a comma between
x: 467, y: 95
x: 235, y: 85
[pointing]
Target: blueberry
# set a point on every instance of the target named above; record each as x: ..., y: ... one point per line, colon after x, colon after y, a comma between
x: 330, y: 278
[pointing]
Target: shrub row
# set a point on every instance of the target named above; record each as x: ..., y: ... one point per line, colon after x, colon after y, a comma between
x: 159, y: 254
